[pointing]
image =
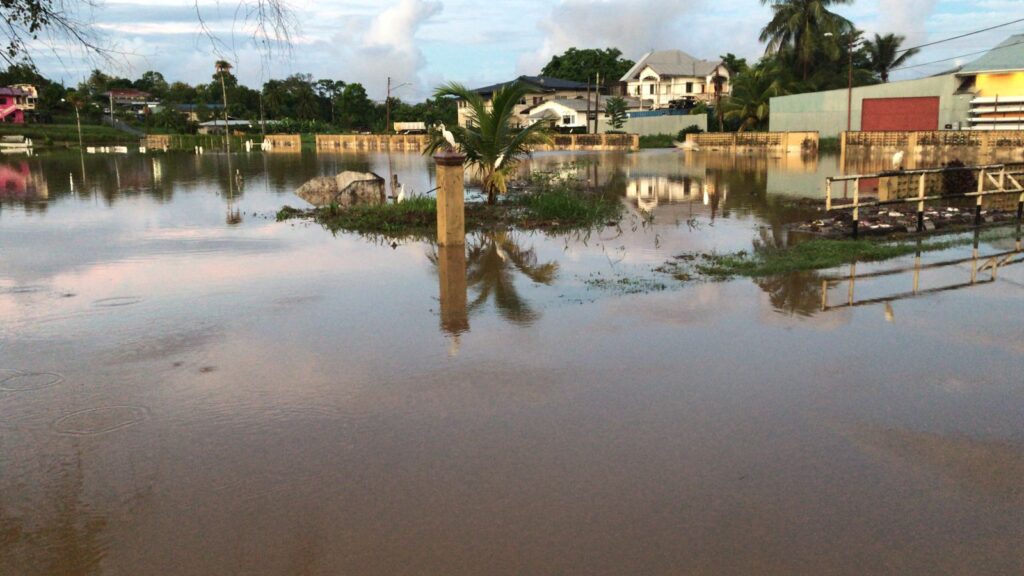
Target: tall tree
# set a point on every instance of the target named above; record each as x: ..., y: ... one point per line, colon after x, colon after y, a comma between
x: 615, y: 112
x: 801, y: 26
x: 223, y: 68
x: 490, y: 143
x: 752, y: 92
x: 884, y: 54
x: 583, y: 65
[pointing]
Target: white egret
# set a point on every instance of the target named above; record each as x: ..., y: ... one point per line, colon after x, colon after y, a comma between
x: 401, y: 194
x: 897, y: 160
x: 448, y: 137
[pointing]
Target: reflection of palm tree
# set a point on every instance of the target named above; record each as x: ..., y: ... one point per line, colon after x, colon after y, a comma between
x: 794, y: 293
x: 492, y: 260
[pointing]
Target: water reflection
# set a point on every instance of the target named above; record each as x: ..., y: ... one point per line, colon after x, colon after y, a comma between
x: 20, y: 184
x: 488, y: 266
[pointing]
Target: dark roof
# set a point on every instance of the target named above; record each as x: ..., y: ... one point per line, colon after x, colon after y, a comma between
x: 539, y: 83
x: 671, y: 63
x: 8, y: 91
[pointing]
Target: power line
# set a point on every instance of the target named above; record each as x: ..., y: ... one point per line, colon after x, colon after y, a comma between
x: 961, y: 35
x: 956, y: 57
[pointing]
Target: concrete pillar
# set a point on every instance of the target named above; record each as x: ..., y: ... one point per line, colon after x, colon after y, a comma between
x: 451, y: 264
x: 451, y: 209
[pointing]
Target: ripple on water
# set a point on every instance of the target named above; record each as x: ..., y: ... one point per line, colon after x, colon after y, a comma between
x: 95, y: 421
x: 116, y: 301
x: 17, y: 381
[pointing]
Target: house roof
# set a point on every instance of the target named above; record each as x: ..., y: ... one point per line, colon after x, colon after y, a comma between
x: 212, y: 123
x: 580, y: 104
x: 194, y: 107
x: 671, y: 63
x: 538, y: 83
x: 1005, y: 57
x: 10, y: 91
x: 127, y: 93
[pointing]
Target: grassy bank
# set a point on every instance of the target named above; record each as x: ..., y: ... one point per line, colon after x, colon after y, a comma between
x: 67, y: 134
x: 548, y: 204
x: 815, y: 254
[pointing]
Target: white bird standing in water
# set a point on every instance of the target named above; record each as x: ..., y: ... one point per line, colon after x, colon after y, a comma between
x: 401, y: 194
x: 497, y: 164
x: 897, y: 160
x: 448, y: 137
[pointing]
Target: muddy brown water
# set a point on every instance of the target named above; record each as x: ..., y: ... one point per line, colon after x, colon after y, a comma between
x: 190, y: 387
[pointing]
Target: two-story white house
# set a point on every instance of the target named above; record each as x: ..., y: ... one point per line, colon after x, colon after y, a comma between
x: 671, y: 78
x: 541, y: 89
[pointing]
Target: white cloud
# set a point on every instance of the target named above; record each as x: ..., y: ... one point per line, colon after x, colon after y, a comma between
x: 370, y: 50
x: 905, y: 17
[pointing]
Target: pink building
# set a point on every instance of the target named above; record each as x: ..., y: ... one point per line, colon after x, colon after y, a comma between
x: 14, y: 101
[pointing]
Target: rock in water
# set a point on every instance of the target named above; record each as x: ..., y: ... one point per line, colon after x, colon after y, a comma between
x: 344, y: 189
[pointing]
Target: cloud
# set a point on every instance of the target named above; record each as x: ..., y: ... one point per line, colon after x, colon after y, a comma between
x: 638, y: 26
x: 906, y: 17
x: 369, y: 50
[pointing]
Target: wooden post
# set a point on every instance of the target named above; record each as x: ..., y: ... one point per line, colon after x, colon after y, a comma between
x: 451, y: 209
x: 856, y: 208
x: 828, y: 193
x: 920, y: 202
x: 842, y: 153
x: 977, y: 204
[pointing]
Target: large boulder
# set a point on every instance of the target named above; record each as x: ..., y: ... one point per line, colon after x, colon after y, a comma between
x: 344, y: 189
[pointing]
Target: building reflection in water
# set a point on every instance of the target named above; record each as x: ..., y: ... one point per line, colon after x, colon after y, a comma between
x: 700, y: 196
x: 20, y: 184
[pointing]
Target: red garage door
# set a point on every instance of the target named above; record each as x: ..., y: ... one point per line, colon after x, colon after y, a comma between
x: 900, y: 114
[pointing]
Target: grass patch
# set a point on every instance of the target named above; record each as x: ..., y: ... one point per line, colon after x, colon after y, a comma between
x: 657, y: 141
x: 829, y: 145
x: 815, y: 254
x: 549, y: 203
x: 68, y: 133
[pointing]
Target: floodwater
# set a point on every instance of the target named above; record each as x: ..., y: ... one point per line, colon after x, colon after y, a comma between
x: 189, y: 387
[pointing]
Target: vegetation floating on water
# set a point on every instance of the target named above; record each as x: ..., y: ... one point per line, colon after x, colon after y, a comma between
x: 815, y: 254
x: 549, y: 202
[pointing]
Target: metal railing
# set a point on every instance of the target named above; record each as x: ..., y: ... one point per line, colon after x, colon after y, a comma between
x: 996, y: 174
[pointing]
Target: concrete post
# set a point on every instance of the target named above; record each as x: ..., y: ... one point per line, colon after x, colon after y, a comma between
x: 451, y: 209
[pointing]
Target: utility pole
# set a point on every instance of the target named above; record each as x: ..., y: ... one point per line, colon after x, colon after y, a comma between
x: 588, y: 104
x: 849, y: 91
x: 597, y: 102
x: 110, y: 93
x: 387, y: 107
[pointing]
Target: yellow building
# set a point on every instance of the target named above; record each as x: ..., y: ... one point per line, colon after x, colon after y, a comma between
x: 998, y: 85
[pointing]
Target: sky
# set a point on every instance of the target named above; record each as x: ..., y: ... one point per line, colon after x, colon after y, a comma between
x: 422, y: 43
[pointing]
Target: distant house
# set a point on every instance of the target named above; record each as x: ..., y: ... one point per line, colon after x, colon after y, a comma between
x: 570, y: 114
x: 191, y: 111
x: 541, y: 89
x: 218, y: 126
x: 130, y: 99
x: 674, y: 79
x: 16, y: 101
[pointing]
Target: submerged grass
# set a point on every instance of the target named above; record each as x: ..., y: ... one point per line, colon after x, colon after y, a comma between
x: 815, y: 254
x: 657, y: 141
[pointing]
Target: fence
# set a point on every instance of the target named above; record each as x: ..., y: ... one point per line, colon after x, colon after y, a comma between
x: 283, y: 142
x: 963, y: 142
x: 931, y: 186
x: 787, y: 142
x: 373, y: 142
x: 597, y: 142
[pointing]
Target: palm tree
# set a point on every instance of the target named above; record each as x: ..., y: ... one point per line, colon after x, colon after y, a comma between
x: 800, y: 26
x: 752, y: 92
x: 492, y: 143
x: 223, y: 68
x: 883, y: 54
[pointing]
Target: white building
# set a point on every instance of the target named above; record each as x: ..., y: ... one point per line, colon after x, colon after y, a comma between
x: 674, y: 79
x: 540, y: 89
x: 570, y: 114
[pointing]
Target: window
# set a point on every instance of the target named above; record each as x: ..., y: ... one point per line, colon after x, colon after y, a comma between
x: 651, y: 89
x: 566, y: 120
x: 689, y: 87
x: 537, y: 100
x: 637, y: 89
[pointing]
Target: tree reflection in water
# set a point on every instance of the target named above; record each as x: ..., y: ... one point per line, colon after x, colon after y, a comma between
x: 492, y: 260
x: 794, y: 293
